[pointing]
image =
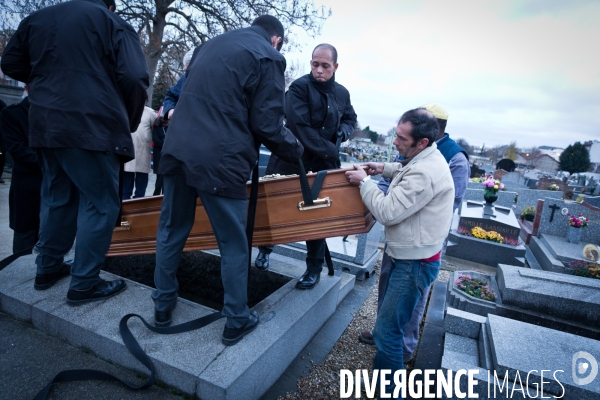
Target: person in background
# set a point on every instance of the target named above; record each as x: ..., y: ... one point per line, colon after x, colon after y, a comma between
x: 172, y: 95
x: 81, y: 135
x: 136, y: 171
x: 319, y: 113
x: 416, y: 214
x: 26, y: 181
x: 211, y: 147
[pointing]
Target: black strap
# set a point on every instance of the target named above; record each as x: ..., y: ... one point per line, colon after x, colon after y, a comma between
x: 134, y: 348
x: 4, y: 263
x: 309, y: 194
x: 328, y: 260
x: 252, y: 212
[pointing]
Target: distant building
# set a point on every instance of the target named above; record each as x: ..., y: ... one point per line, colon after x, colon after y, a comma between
x: 545, y: 163
x: 594, y: 150
x: 553, y: 152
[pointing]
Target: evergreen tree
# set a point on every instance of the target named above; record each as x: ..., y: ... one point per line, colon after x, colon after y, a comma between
x: 575, y: 158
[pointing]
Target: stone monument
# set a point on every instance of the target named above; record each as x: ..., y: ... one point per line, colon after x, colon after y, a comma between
x: 463, y: 243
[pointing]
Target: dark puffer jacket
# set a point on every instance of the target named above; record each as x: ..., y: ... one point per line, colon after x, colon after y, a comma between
x: 315, y: 112
x: 87, y: 77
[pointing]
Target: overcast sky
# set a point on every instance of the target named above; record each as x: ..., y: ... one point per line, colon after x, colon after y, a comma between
x: 506, y: 70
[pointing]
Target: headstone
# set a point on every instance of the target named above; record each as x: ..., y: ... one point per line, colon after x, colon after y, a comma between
x: 554, y: 220
x: 514, y: 356
x: 506, y: 198
x: 495, y: 218
x: 512, y: 177
x: 529, y: 197
x: 463, y: 245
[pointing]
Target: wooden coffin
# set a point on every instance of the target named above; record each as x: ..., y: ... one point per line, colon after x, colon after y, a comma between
x: 280, y: 217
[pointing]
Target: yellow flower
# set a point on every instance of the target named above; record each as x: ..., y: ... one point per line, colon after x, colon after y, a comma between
x: 496, y: 187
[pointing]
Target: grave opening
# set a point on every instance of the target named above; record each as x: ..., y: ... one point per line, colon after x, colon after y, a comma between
x: 199, y: 277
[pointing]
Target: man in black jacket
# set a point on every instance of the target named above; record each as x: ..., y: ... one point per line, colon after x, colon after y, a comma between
x: 318, y: 111
x: 26, y: 180
x: 87, y: 79
x: 231, y: 102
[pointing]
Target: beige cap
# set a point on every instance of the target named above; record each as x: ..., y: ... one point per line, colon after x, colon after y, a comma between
x: 438, y: 111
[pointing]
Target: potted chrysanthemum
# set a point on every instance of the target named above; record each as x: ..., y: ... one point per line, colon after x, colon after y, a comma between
x: 490, y: 190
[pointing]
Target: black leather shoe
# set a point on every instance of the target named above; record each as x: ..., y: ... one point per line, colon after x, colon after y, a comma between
x: 100, y: 291
x: 46, y: 281
x: 308, y: 280
x: 233, y: 335
x: 262, y: 261
x: 162, y: 319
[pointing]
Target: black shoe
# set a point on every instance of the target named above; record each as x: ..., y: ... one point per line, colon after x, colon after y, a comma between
x: 262, y: 261
x: 162, y: 319
x: 233, y: 335
x: 308, y: 280
x: 2, y: 181
x: 46, y: 281
x: 100, y: 291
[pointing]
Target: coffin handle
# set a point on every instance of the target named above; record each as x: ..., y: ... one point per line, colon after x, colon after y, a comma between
x: 125, y: 226
x: 318, y: 203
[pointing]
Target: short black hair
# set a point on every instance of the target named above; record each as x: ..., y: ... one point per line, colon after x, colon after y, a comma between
x: 272, y: 25
x: 110, y: 3
x: 424, y: 124
x: 330, y: 48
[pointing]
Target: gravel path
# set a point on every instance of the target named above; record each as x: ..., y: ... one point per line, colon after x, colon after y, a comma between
x: 323, y: 381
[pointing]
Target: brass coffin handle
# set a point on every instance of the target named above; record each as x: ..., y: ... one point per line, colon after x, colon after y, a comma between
x: 318, y: 203
x: 125, y: 226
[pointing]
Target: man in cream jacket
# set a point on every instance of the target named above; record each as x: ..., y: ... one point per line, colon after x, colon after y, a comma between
x: 416, y: 214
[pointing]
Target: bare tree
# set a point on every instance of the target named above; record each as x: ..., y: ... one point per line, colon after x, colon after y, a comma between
x: 169, y: 28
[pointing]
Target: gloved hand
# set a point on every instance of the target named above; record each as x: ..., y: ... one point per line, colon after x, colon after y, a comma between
x: 341, y: 134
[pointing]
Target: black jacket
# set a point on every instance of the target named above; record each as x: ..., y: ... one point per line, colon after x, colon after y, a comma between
x: 315, y: 112
x: 26, y: 180
x: 87, y: 76
x: 232, y: 100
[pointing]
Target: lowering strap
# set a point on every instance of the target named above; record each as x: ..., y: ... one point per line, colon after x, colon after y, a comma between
x: 13, y: 257
x: 252, y: 212
x: 134, y: 348
x: 309, y: 195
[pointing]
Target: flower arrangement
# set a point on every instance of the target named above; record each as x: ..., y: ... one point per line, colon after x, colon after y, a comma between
x: 577, y: 221
x: 553, y: 187
x: 585, y: 269
x: 528, y: 213
x: 492, y: 236
x: 491, y: 186
x: 475, y: 288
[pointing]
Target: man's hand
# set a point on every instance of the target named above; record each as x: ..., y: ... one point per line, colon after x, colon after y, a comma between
x: 357, y: 175
x: 170, y: 113
x: 373, y: 168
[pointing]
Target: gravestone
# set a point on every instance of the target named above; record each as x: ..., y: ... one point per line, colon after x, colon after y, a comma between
x: 554, y: 220
x: 461, y: 244
x: 514, y: 356
x: 567, y: 303
x: 489, y: 218
x: 529, y: 197
x: 512, y: 177
x: 505, y: 198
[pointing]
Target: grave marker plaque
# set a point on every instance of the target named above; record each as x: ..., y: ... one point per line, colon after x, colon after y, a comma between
x: 494, y: 218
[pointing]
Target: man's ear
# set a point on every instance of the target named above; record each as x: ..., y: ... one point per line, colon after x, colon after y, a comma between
x: 111, y: 8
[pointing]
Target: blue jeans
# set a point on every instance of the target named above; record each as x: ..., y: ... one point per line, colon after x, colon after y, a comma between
x: 408, y: 281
